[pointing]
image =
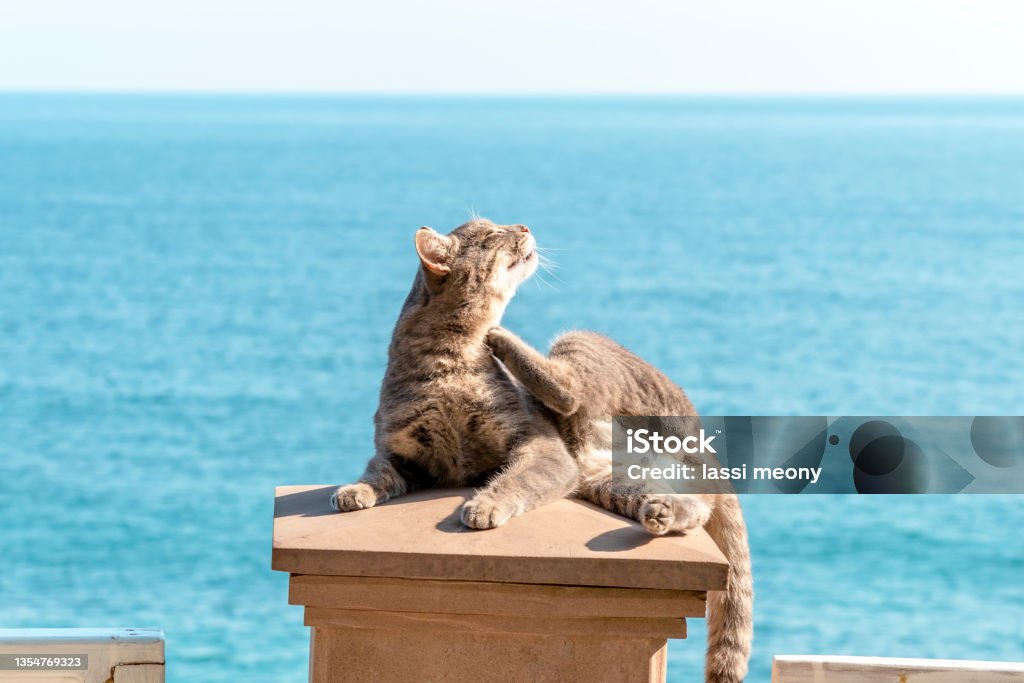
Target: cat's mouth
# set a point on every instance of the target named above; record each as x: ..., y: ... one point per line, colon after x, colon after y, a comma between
x: 526, y: 258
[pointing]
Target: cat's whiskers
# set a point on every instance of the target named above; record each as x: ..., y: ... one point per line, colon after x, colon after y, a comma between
x: 539, y: 279
x: 545, y: 250
x: 548, y: 266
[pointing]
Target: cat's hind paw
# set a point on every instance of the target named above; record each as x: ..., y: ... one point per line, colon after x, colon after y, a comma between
x: 664, y: 514
x: 353, y: 497
x: 499, y: 340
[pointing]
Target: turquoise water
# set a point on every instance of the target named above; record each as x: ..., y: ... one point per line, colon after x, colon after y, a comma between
x: 196, y: 296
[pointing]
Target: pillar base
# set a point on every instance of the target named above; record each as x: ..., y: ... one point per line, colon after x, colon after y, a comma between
x: 340, y: 655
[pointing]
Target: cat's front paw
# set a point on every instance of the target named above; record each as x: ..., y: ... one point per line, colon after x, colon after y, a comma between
x: 353, y: 497
x: 663, y: 514
x: 484, y: 512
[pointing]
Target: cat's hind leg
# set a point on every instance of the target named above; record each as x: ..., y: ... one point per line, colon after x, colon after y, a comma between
x: 551, y: 381
x: 659, y: 513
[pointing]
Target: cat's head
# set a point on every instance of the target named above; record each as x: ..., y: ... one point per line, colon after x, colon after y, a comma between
x: 477, y: 262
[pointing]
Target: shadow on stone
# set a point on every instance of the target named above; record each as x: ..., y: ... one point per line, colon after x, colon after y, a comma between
x: 620, y: 540
x: 314, y: 502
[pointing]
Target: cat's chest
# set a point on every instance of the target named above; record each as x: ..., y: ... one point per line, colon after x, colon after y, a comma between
x: 456, y: 433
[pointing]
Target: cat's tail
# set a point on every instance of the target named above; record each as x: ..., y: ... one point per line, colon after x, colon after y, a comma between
x: 730, y: 612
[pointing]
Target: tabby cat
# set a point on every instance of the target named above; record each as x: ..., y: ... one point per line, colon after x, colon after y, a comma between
x: 467, y: 403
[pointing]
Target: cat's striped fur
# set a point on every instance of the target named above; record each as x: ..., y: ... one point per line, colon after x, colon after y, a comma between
x: 465, y: 402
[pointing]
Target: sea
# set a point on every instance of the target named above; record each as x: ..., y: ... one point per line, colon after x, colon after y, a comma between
x: 197, y: 293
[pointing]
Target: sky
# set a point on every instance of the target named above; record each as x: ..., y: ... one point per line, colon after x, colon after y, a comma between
x: 525, y: 46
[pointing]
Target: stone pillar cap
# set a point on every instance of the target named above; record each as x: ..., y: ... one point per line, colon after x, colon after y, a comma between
x: 419, y: 536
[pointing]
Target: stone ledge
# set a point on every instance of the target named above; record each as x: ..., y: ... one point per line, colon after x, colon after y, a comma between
x: 566, y: 543
x: 478, y: 597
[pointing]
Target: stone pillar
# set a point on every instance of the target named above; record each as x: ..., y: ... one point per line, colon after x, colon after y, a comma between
x: 567, y: 592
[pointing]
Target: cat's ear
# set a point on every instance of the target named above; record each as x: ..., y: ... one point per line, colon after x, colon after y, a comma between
x: 435, y: 250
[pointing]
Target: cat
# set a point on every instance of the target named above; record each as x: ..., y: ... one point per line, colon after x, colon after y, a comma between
x: 465, y: 402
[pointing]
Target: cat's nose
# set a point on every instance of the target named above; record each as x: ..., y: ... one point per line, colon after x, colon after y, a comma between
x: 522, y: 228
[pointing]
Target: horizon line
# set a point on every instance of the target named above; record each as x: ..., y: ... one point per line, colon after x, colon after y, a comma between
x: 515, y: 94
